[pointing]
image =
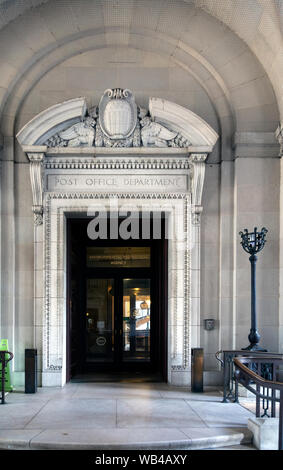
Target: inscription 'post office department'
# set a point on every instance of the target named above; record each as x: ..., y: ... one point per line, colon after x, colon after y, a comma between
x: 119, y: 182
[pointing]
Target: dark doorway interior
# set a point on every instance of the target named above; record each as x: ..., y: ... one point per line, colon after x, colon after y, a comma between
x: 117, y: 306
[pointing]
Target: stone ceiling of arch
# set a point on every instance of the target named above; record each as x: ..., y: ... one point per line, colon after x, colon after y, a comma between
x: 217, y: 60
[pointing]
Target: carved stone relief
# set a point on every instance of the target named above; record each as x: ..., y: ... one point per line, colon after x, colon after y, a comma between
x: 117, y: 122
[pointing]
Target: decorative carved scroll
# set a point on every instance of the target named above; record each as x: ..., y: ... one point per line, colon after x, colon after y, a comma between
x: 36, y: 160
x: 198, y: 165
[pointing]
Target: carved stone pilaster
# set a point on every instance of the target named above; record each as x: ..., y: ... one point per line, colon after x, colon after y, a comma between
x: 36, y: 178
x: 279, y: 137
x: 197, y: 162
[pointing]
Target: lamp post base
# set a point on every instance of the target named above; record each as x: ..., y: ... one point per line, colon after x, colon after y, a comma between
x: 254, y: 347
x: 254, y: 339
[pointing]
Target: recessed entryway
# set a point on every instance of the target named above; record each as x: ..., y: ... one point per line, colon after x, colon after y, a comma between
x: 117, y: 306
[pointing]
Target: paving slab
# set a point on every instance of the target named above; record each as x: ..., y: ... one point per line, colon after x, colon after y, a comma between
x: 121, y: 416
x: 221, y: 414
x: 116, y: 391
x: 188, y: 395
x: 18, y: 415
x: 75, y: 413
x: 155, y: 413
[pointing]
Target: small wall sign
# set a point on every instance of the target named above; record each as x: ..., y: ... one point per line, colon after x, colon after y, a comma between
x: 209, y: 324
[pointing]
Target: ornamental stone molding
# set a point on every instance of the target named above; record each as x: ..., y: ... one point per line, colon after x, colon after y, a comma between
x: 116, y: 135
x: 59, y: 204
x: 194, y: 129
x: 51, y: 121
x: 118, y: 122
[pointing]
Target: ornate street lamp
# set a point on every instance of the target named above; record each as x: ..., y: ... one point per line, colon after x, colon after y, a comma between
x: 253, y: 243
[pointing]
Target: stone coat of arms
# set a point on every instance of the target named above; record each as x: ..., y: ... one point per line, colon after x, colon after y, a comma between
x: 117, y: 122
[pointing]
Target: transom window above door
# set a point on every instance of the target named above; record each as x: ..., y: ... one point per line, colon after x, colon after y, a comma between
x: 118, y: 256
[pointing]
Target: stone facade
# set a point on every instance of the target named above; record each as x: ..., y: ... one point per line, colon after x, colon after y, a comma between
x: 220, y: 65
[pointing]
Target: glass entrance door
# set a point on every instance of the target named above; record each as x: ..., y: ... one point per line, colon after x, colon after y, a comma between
x: 136, y: 320
x: 99, y: 321
x: 117, y: 322
x: 116, y: 304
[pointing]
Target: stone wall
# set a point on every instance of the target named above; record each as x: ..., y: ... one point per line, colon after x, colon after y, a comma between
x: 229, y: 72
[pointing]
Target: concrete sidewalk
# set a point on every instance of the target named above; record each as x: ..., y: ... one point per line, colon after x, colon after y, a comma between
x: 121, y: 416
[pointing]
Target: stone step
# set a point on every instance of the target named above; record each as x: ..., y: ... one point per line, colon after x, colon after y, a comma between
x: 123, y: 438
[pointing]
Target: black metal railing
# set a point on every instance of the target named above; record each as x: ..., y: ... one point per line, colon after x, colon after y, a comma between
x: 3, y: 362
x: 226, y: 359
x: 267, y: 392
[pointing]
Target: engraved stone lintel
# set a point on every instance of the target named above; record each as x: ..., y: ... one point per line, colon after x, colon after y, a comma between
x: 36, y: 178
x: 93, y: 181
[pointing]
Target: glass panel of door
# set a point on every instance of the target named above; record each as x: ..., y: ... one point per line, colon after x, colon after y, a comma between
x: 136, y: 320
x: 117, y: 321
x: 99, y: 320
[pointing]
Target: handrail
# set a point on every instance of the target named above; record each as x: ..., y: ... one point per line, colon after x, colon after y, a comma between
x: 245, y: 376
x: 225, y: 357
x: 273, y: 384
x: 218, y: 358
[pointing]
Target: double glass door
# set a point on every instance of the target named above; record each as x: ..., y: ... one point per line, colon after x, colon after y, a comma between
x: 118, y: 321
x: 116, y: 304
